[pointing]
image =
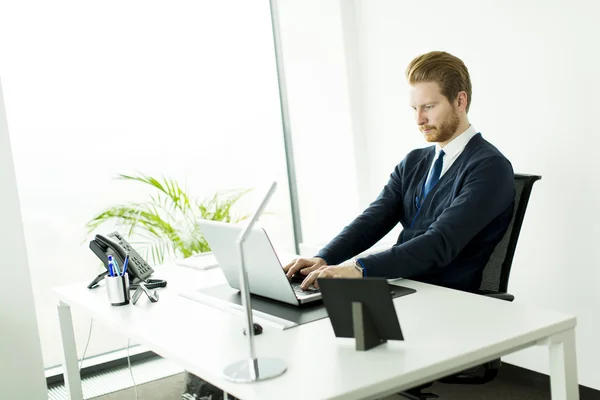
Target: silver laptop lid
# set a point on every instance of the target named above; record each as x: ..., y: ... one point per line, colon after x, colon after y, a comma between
x: 265, y: 273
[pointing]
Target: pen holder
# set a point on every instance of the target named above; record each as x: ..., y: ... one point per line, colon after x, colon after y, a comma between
x: 117, y: 288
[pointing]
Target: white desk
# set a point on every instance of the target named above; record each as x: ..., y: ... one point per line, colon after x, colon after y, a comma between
x: 446, y: 331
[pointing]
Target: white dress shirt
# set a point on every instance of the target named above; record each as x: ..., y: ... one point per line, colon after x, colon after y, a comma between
x: 453, y: 149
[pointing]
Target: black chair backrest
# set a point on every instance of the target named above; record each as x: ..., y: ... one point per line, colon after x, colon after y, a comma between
x: 497, y: 270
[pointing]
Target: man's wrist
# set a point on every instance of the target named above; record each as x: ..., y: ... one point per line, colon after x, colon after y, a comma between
x: 358, y: 266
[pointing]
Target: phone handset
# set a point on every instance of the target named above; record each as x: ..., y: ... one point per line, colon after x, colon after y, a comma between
x: 114, y: 244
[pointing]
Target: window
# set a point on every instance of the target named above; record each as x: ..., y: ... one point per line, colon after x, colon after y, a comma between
x: 184, y: 90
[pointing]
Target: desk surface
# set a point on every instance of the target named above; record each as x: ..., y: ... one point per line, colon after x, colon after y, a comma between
x: 445, y: 331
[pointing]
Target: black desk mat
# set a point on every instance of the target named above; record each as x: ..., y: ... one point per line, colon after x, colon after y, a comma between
x: 300, y: 314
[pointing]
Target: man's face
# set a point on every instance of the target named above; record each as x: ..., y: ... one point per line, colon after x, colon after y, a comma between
x: 437, y: 119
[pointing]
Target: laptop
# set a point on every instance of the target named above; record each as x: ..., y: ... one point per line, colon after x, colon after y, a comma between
x: 266, y: 277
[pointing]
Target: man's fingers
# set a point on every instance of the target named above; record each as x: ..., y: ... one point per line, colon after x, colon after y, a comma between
x: 326, y: 273
x: 303, y: 266
x: 297, y: 266
x: 308, y: 270
x: 289, y: 265
x: 311, y: 279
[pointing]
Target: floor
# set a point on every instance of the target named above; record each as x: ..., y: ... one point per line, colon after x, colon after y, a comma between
x: 509, y: 385
x: 169, y: 388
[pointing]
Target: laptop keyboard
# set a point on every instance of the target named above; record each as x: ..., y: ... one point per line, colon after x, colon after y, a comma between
x: 300, y: 292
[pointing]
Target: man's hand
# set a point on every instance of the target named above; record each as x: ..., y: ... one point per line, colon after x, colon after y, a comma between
x: 304, y: 266
x: 345, y: 270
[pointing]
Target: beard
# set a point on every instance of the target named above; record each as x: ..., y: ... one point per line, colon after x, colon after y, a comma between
x: 446, y: 130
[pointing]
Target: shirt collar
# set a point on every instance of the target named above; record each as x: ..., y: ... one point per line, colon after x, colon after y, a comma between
x: 457, y: 144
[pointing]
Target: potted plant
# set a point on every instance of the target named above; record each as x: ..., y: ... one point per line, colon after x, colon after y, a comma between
x: 165, y: 225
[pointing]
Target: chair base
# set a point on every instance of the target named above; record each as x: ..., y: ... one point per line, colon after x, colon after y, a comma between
x: 418, y: 396
x: 478, y: 375
x: 475, y: 376
x: 417, y: 393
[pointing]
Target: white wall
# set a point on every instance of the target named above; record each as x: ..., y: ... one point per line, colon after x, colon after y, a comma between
x: 534, y: 70
x: 21, y: 366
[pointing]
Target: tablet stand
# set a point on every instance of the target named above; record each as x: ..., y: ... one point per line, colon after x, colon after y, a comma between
x: 363, y: 309
x: 365, y: 331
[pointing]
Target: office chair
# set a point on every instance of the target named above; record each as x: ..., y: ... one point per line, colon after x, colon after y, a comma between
x: 494, y: 283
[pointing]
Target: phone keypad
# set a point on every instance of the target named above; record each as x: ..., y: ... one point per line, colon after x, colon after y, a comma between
x: 134, y: 257
x: 142, y: 267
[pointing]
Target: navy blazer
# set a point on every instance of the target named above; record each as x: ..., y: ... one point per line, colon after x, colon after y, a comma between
x: 449, y: 235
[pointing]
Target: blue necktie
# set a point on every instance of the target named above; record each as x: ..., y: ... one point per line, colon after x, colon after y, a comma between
x: 435, y: 174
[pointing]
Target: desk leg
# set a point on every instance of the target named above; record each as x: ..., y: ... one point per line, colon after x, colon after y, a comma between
x: 563, y: 366
x: 70, y: 366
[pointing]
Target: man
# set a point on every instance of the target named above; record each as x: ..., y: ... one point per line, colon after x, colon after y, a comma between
x: 454, y: 200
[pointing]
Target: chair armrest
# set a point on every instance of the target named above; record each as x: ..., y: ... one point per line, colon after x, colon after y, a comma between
x: 497, y: 295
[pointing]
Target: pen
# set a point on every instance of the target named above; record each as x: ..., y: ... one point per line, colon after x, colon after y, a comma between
x: 125, y: 263
x: 117, y: 270
x: 111, y: 271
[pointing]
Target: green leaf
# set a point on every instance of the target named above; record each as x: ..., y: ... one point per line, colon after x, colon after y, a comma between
x: 166, y: 224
